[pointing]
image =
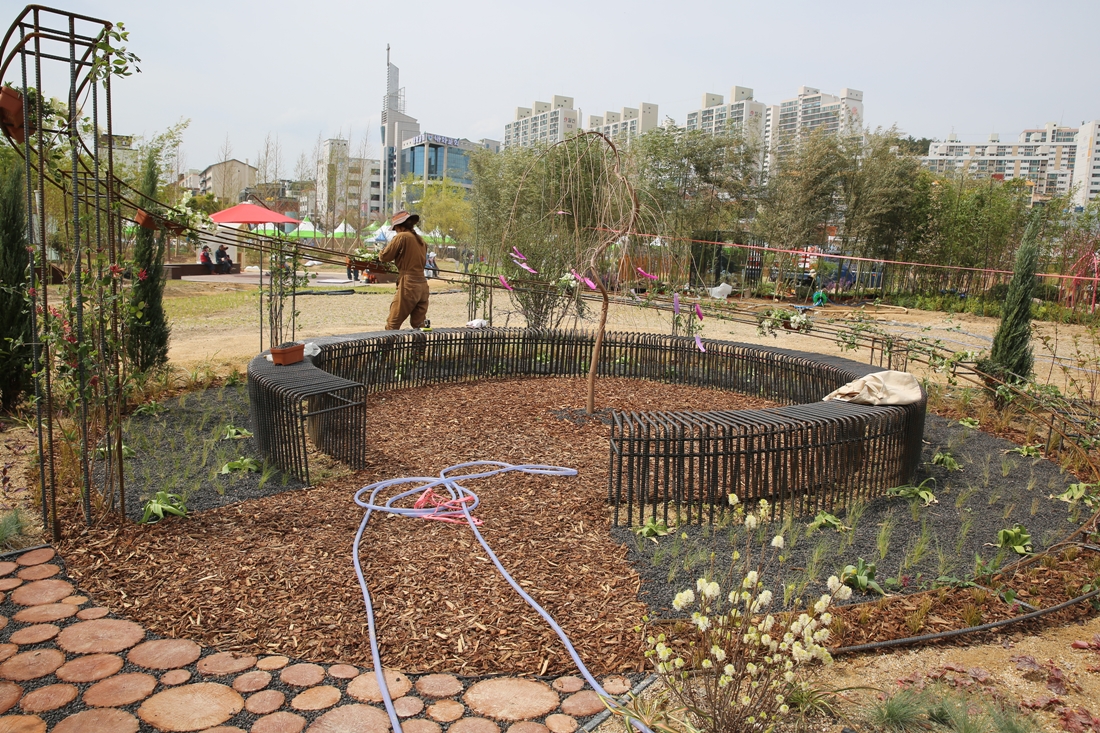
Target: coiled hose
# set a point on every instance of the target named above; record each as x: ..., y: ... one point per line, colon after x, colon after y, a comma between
x: 461, y: 503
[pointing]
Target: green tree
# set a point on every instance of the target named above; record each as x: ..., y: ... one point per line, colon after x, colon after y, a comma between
x: 443, y: 207
x: 147, y: 344
x: 15, y: 315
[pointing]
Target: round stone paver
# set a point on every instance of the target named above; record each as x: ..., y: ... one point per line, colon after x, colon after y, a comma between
x: 34, y: 634
x: 224, y: 663
x: 343, y: 671
x: 558, y: 723
x: 7, y: 651
x: 91, y: 668
x: 419, y: 725
x: 616, y: 685
x: 568, y: 684
x: 40, y: 592
x: 90, y: 614
x: 75, y: 600
x: 175, y: 677
x: 122, y: 689
x: 252, y: 681
x: 269, y: 663
x: 302, y: 675
x: 582, y: 704
x: 364, y: 688
x: 7, y: 566
x: 22, y: 724
x: 445, y: 711
x: 438, y: 685
x: 50, y: 697
x: 39, y: 572
x: 99, y: 721
x: 267, y: 701
x: 45, y: 614
x: 474, y: 725
x: 31, y: 665
x: 407, y: 706
x: 283, y: 722
x: 7, y: 584
x: 352, y: 718
x: 100, y: 636
x: 191, y: 707
x: 511, y: 699
x: 36, y: 557
x: 9, y: 695
x: 164, y: 654
x: 527, y: 726
x: 316, y: 698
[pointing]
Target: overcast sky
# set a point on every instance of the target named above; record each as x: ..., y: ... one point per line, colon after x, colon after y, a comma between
x: 297, y: 69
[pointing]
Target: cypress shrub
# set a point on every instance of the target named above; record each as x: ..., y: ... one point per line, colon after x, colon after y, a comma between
x: 15, y: 313
x: 147, y: 343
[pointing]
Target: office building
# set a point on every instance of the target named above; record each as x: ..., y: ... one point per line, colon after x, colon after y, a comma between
x: 542, y: 124
x: 397, y: 127
x: 627, y: 124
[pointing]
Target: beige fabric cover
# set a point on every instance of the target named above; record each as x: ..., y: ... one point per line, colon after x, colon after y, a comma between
x: 880, y: 388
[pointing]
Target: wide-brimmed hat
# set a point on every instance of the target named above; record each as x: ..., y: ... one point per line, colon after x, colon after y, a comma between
x: 404, y: 217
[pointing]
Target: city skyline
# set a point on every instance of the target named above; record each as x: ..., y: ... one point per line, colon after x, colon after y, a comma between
x: 968, y: 68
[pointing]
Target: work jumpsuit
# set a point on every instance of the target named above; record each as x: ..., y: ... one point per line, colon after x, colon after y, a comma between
x: 409, y: 253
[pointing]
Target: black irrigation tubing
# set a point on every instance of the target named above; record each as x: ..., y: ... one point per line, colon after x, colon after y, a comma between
x: 20, y: 551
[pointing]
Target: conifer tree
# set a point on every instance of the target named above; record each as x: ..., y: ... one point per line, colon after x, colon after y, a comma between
x: 15, y: 314
x: 1011, y: 359
x: 147, y: 344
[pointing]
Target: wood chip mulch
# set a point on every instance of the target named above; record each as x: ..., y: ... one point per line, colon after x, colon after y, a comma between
x: 274, y: 575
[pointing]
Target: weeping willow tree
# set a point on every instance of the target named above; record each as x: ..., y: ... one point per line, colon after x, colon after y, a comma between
x: 572, y: 205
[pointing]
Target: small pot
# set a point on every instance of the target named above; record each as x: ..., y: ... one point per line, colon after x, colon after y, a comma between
x: 11, y: 113
x: 145, y: 220
x: 284, y: 355
x: 787, y: 325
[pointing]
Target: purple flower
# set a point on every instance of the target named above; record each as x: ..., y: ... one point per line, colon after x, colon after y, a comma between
x: 505, y: 282
x: 676, y: 304
x: 643, y: 273
x: 699, y: 344
x: 526, y: 267
x: 699, y: 311
x: 518, y: 255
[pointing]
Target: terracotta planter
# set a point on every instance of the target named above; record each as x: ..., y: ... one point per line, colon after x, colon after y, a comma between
x: 285, y: 355
x: 11, y: 113
x: 145, y: 220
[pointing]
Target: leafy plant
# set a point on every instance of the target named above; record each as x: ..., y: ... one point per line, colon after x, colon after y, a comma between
x: 11, y: 526
x: 241, y: 464
x: 1030, y: 451
x: 919, y: 492
x: 825, y: 519
x: 653, y: 528
x: 152, y: 407
x: 1086, y: 494
x: 234, y: 433
x: 163, y: 503
x: 901, y: 712
x: 102, y: 451
x: 970, y: 422
x: 1017, y: 538
x: 861, y: 577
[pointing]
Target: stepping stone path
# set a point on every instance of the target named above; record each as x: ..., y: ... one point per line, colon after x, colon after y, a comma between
x: 62, y: 662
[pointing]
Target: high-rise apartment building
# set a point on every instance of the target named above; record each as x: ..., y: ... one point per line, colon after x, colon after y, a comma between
x: 346, y: 183
x: 397, y: 127
x: 1086, y: 167
x: 627, y: 124
x: 792, y: 120
x: 742, y: 112
x: 543, y: 123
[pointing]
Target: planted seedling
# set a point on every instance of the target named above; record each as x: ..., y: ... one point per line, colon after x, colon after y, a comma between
x: 102, y: 451
x: 970, y: 422
x: 946, y: 460
x: 152, y: 407
x: 861, y: 577
x: 825, y: 519
x: 653, y: 528
x: 1017, y: 538
x: 919, y: 492
x: 163, y: 503
x: 241, y: 464
x: 1028, y: 451
x: 1086, y: 494
x: 234, y: 433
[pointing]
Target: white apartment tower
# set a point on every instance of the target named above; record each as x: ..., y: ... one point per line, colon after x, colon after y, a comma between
x: 397, y: 127
x: 792, y: 120
x: 542, y: 124
x: 1087, y: 164
x: 627, y: 124
x: 742, y: 113
x: 346, y: 183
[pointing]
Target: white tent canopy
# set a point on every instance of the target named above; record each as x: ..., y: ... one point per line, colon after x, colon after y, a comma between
x: 344, y: 229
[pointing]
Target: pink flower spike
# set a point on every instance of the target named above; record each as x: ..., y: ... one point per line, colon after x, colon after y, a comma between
x: 505, y: 282
x: 531, y: 270
x: 699, y: 311
x: 676, y: 303
x: 699, y: 344
x: 591, y: 285
x: 518, y: 255
x: 643, y: 273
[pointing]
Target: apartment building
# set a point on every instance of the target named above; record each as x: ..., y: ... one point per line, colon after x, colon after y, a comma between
x: 226, y: 180
x: 742, y: 112
x: 542, y: 124
x: 792, y: 120
x: 1086, y: 167
x: 626, y: 124
x: 345, y: 182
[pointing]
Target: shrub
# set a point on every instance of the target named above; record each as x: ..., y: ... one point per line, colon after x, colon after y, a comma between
x: 1011, y: 358
x: 15, y: 314
x: 147, y: 345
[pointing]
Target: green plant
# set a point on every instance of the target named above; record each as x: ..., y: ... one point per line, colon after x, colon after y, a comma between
x: 945, y: 459
x: 234, y: 433
x: 147, y: 340
x: 901, y: 712
x: 1086, y: 494
x: 152, y: 407
x: 242, y: 464
x: 970, y: 422
x: 882, y: 540
x: 11, y: 526
x: 102, y: 451
x: 825, y: 519
x: 16, y: 336
x: 163, y: 503
x: 1017, y: 538
x: 653, y: 528
x: 1029, y: 451
x: 861, y: 577
x: 920, y: 492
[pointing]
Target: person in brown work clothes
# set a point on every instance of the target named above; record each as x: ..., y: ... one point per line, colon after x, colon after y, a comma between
x: 409, y: 252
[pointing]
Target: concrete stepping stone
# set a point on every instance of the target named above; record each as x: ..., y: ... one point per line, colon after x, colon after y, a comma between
x: 22, y: 724
x: 282, y: 722
x: 45, y: 614
x: 407, y: 706
x: 38, y: 572
x: 39, y: 592
x: 7, y: 584
x: 302, y: 675
x: 99, y: 721
x: 568, y: 684
x: 7, y: 567
x: 50, y: 697
x: 616, y: 684
x: 353, y: 718
x: 7, y: 651
x: 100, y: 636
x: 165, y: 654
x: 75, y: 600
x: 9, y: 695
x: 316, y: 698
x: 191, y: 707
x: 120, y: 690
x: 558, y: 723
x: 175, y: 677
x: 252, y: 681
x: 91, y: 668
x: 90, y: 614
x: 439, y: 685
x: 364, y: 688
x: 343, y: 671
x: 473, y: 725
x: 226, y: 663
x: 267, y: 701
x: 271, y: 663
x: 34, y: 634
x: 582, y: 704
x: 31, y: 665
x: 527, y: 726
x: 511, y: 699
x: 419, y: 725
x: 36, y: 557
x: 446, y: 711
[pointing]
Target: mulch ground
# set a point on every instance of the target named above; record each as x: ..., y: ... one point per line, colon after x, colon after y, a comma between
x: 273, y: 575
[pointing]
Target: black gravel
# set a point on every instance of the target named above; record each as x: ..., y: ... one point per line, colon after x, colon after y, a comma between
x: 928, y: 546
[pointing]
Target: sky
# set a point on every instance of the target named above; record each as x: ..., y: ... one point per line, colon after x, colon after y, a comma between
x: 243, y: 70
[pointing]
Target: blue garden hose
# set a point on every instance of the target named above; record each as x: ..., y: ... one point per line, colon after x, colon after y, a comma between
x: 465, y: 500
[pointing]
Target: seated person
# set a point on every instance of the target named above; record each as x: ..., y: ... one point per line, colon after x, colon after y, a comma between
x: 224, y: 263
x: 204, y: 259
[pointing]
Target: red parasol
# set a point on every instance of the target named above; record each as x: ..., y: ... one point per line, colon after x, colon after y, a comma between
x: 251, y: 214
